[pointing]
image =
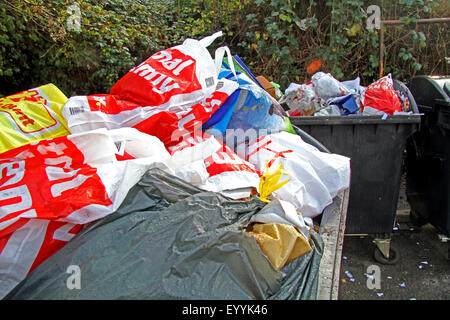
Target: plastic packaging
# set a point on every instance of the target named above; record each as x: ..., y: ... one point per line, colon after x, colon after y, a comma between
x: 30, y: 116
x: 331, y: 110
x: 281, y: 243
x: 381, y: 96
x: 278, y: 93
x: 302, y: 99
x: 326, y: 86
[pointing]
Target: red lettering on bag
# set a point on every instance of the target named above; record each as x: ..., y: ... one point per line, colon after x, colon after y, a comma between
x: 157, y: 79
x: 52, y: 184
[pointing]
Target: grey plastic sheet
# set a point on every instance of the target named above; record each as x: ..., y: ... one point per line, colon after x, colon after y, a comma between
x: 170, y: 240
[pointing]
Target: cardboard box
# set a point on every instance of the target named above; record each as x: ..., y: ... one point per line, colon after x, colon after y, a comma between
x: 267, y: 85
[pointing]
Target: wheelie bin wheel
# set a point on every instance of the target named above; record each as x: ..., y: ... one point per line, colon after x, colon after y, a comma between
x: 394, y: 256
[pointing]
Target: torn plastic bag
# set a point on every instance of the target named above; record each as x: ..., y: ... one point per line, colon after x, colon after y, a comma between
x: 316, y: 177
x: 381, y: 96
x: 255, y: 108
x: 51, y: 188
x: 270, y: 181
x: 30, y: 116
x: 170, y: 240
x: 167, y: 122
x: 211, y: 165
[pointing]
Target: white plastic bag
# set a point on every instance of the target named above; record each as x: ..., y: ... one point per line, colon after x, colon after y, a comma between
x: 332, y: 169
x: 326, y: 86
x: 316, y: 177
x: 279, y: 211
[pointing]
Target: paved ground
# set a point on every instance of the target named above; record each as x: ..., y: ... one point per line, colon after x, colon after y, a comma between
x: 422, y: 273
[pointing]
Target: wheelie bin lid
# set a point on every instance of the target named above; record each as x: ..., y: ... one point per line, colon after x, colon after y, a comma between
x: 430, y: 90
x: 444, y: 83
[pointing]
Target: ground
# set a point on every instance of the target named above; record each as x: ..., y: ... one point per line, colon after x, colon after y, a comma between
x: 422, y: 273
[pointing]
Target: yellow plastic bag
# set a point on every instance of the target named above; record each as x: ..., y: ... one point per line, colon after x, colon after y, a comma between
x: 281, y: 243
x: 31, y: 115
x: 269, y: 181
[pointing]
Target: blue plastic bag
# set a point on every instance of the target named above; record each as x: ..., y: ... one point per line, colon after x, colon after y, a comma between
x: 250, y: 107
x: 346, y: 104
x: 220, y: 119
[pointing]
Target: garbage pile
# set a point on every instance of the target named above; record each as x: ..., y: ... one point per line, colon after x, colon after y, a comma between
x: 326, y: 96
x: 186, y: 181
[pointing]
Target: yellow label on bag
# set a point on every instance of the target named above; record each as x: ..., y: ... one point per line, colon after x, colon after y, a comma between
x: 31, y: 115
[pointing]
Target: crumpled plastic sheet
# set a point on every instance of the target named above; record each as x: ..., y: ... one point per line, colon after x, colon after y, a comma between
x: 171, y: 240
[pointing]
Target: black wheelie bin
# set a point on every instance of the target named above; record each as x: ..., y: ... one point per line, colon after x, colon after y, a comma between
x: 428, y: 154
x: 376, y: 147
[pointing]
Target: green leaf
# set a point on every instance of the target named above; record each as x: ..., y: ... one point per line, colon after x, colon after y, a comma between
x: 285, y: 17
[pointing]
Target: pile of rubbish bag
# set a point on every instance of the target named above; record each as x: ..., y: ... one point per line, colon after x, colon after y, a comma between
x: 185, y: 181
x: 326, y: 96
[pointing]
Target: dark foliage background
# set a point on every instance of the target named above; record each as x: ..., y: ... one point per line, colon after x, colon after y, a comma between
x: 276, y: 38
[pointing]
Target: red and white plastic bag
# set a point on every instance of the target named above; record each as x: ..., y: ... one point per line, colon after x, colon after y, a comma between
x: 85, y: 113
x: 209, y: 164
x: 178, y: 76
x: 165, y: 94
x: 50, y: 189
